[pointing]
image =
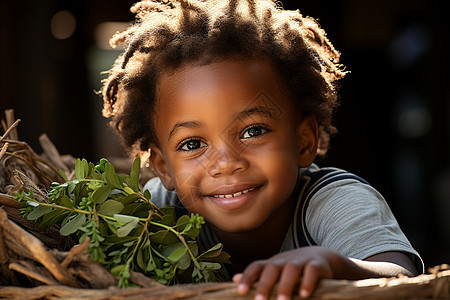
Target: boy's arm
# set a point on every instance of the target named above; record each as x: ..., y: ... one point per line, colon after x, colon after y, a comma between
x: 313, y: 263
x: 396, y: 259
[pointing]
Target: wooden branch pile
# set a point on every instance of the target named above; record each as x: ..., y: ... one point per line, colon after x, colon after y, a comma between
x: 40, y: 264
x: 22, y: 168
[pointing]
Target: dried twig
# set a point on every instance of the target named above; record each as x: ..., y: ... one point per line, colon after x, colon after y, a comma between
x: 11, y: 131
x: 5, y: 127
x: 91, y: 271
x: 4, y: 148
x: 8, y: 201
x: 32, y: 271
x: 29, y: 185
x: 43, y: 176
x: 7, y: 277
x: 142, y: 280
x: 36, y: 249
x: 49, y: 236
x: 76, y: 251
x: 52, y: 153
x: 421, y: 287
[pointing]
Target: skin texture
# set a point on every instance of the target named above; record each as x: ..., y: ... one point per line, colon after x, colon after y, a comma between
x: 230, y: 144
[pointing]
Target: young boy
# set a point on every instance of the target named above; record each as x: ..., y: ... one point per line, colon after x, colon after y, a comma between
x: 234, y: 100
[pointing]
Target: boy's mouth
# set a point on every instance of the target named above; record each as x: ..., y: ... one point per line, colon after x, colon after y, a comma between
x: 235, y: 194
x: 233, y: 200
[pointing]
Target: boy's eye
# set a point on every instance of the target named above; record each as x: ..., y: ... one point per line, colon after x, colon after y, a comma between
x: 253, y: 131
x: 192, y: 144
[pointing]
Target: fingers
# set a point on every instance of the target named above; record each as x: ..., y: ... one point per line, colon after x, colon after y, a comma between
x: 237, y: 277
x: 269, y: 273
x: 268, y: 279
x: 312, y: 272
x: 289, y: 278
x: 246, y: 279
x: 286, y: 269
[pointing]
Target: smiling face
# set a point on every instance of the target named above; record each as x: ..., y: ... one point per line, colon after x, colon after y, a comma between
x: 230, y: 142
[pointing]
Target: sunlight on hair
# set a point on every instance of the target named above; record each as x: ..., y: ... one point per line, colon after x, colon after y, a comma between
x: 167, y: 35
x: 105, y: 30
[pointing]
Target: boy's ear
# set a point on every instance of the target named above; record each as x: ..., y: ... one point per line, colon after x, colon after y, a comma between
x: 161, y: 168
x: 308, y: 137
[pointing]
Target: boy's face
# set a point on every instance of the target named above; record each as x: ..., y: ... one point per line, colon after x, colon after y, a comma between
x: 230, y: 142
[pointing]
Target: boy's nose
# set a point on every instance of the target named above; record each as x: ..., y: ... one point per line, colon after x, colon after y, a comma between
x: 225, y: 161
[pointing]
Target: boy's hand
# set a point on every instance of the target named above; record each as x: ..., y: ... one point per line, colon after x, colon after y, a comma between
x: 286, y: 268
x: 313, y: 263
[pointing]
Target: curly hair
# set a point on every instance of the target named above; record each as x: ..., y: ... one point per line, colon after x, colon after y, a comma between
x: 169, y: 34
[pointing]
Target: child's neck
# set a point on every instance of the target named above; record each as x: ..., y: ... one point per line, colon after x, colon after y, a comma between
x: 260, y: 243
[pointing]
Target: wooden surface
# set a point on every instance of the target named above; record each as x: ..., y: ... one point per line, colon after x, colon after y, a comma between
x: 421, y: 287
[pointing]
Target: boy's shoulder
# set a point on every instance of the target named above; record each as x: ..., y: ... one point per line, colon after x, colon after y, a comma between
x: 327, y: 184
x: 327, y: 174
x: 160, y: 196
x: 314, y: 178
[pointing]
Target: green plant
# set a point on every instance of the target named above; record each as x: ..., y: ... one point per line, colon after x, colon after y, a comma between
x: 127, y: 231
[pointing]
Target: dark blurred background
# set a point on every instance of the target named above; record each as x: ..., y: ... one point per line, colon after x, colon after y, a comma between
x: 393, y: 122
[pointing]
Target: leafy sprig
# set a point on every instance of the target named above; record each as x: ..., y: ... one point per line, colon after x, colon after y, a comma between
x: 127, y: 231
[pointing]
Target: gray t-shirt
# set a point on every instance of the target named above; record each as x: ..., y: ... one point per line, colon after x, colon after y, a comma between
x: 346, y: 216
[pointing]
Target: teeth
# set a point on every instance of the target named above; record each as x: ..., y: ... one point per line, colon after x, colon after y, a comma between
x: 234, y: 195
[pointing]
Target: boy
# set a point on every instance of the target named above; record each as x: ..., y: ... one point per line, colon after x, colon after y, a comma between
x: 234, y: 100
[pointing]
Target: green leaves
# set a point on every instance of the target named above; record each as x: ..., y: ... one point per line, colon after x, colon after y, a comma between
x: 110, y: 207
x: 133, y: 180
x: 111, y: 176
x: 129, y: 223
x: 127, y: 231
x: 81, y: 169
x: 38, y: 212
x: 101, y: 194
x: 73, y: 225
x: 177, y: 254
x: 215, y: 254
